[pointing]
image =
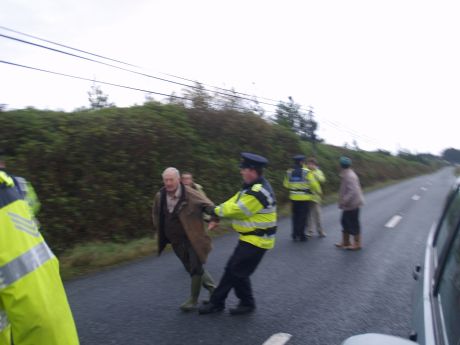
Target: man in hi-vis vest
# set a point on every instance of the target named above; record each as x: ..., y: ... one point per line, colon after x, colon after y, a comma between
x: 33, y: 304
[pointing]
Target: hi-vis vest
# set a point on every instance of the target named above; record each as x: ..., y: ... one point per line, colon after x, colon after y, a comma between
x: 303, y: 186
x: 33, y: 304
x: 253, y: 214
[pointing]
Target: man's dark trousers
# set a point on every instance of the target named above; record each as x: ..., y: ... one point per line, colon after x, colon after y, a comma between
x: 240, y: 266
x: 299, y: 219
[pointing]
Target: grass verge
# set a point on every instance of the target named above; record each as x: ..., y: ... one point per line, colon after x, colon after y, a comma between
x: 95, y: 256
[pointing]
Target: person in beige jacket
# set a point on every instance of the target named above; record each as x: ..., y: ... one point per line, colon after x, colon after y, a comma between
x: 350, y: 200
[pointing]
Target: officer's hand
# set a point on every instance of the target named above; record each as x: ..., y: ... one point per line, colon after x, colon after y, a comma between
x: 212, y: 225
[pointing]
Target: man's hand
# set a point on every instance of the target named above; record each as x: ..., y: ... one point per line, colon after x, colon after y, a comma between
x: 212, y: 225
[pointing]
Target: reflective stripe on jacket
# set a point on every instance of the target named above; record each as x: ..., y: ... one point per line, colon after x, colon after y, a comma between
x: 253, y: 214
x: 303, y: 186
x: 31, y: 292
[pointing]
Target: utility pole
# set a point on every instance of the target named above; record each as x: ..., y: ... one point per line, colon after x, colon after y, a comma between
x: 312, y: 134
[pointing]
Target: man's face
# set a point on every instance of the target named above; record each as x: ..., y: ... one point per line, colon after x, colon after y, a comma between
x: 171, y: 182
x: 187, y: 179
x: 248, y: 175
x: 311, y: 165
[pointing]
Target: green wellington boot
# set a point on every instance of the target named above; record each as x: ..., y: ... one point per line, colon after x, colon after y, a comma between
x: 208, y: 284
x: 192, y: 303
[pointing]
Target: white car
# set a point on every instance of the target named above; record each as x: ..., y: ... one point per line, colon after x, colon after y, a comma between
x: 436, y: 319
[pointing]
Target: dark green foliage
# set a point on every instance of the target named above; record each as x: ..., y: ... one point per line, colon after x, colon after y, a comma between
x: 96, y: 172
x: 452, y: 155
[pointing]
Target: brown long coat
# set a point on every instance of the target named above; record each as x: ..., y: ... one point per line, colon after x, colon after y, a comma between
x: 190, y: 209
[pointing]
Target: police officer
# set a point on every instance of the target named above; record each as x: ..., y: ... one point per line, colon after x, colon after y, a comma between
x: 33, y: 303
x: 302, y: 186
x: 253, y: 214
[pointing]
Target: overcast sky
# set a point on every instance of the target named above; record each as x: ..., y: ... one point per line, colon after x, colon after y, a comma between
x: 383, y: 73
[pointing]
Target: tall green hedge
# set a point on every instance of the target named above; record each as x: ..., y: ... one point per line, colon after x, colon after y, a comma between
x: 96, y: 172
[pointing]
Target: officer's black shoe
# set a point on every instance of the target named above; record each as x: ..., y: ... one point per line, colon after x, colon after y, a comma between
x: 304, y: 239
x: 242, y: 309
x: 210, y: 308
x: 294, y: 238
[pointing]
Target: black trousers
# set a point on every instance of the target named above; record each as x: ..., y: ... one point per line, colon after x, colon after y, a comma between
x: 350, y: 222
x: 239, y: 268
x: 300, y: 211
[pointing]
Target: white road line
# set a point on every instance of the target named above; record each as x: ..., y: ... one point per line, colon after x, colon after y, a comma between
x: 415, y: 197
x: 278, y: 339
x: 393, y: 221
x: 423, y: 188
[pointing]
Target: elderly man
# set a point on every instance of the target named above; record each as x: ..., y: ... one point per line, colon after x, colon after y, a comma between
x: 178, y: 219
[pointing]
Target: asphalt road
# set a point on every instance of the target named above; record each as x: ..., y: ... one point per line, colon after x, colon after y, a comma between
x: 312, y: 291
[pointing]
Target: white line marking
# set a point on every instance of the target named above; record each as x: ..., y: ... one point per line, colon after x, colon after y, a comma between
x: 393, y: 221
x: 423, y: 188
x: 415, y: 197
x: 278, y: 339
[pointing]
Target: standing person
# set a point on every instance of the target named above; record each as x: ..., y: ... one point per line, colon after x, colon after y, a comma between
x: 253, y: 212
x: 33, y: 303
x: 350, y: 200
x: 178, y: 218
x: 187, y: 180
x: 302, y: 186
x: 315, y: 207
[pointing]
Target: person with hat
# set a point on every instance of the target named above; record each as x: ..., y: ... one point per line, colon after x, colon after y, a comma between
x: 314, y: 218
x: 303, y: 187
x: 33, y: 303
x: 178, y: 219
x: 253, y: 213
x: 350, y: 200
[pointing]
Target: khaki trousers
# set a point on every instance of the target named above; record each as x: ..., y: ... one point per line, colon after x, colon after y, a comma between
x: 314, y: 219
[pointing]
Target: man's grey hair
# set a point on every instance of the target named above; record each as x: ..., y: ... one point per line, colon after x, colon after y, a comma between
x: 171, y: 170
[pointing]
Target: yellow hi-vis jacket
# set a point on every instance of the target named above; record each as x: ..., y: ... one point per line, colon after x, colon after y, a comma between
x: 302, y: 188
x: 33, y: 304
x: 321, y: 178
x: 253, y: 213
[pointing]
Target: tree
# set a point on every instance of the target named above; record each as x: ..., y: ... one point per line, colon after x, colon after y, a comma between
x: 256, y: 108
x: 200, y: 99
x: 148, y: 98
x: 97, y: 98
x: 175, y: 99
x: 287, y: 114
x: 230, y: 100
x: 451, y: 155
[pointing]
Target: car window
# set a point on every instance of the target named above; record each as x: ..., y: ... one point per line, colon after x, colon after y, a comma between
x: 449, y: 221
x: 449, y: 290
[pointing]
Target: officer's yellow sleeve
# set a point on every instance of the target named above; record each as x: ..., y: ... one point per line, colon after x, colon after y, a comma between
x: 241, y: 208
x: 5, y: 179
x: 320, y: 176
x: 32, y: 199
x: 315, y: 187
x: 286, y: 182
